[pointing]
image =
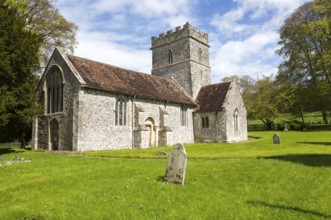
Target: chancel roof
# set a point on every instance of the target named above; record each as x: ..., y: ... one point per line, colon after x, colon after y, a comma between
x: 211, y: 97
x: 118, y: 80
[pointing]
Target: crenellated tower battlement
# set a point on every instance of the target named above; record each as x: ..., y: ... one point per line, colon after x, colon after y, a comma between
x: 180, y: 32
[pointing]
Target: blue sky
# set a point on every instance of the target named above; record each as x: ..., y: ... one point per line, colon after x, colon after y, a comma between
x: 242, y: 33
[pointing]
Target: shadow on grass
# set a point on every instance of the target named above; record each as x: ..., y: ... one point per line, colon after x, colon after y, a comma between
x: 290, y: 208
x: 316, y: 143
x: 160, y: 179
x: 314, y: 160
x: 7, y: 151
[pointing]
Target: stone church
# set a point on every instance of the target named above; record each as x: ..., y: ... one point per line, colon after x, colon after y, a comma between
x: 90, y: 105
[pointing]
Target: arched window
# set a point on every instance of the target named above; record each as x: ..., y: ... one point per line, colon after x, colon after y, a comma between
x: 170, y: 57
x: 120, y: 111
x: 235, y: 120
x: 183, y: 115
x: 54, y: 84
x: 205, y: 122
x: 200, y: 55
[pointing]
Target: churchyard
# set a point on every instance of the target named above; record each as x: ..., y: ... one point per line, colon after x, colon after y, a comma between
x: 252, y: 180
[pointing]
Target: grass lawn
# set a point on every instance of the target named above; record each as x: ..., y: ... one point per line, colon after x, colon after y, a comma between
x: 251, y: 180
x: 310, y: 117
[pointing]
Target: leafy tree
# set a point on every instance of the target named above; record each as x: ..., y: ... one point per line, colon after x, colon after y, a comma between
x: 305, y: 46
x: 43, y: 18
x: 265, y: 105
x: 19, y: 58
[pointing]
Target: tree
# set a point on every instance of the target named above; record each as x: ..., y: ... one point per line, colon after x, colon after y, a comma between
x: 43, y: 18
x: 19, y: 58
x: 265, y: 106
x: 306, y: 48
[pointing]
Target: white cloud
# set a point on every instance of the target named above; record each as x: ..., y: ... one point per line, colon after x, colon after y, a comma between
x: 247, y: 57
x: 99, y: 48
x: 248, y: 37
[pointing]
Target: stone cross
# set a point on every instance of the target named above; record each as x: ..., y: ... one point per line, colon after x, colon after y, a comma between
x: 176, y: 167
x: 276, y: 138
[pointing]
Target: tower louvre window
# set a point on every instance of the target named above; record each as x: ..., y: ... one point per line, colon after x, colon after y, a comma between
x: 200, y: 55
x: 170, y: 57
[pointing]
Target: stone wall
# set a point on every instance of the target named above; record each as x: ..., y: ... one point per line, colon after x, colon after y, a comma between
x: 179, y: 72
x: 189, y: 69
x: 221, y: 123
x: 65, y: 118
x: 216, y: 132
x: 97, y: 129
x: 232, y: 102
x: 96, y: 125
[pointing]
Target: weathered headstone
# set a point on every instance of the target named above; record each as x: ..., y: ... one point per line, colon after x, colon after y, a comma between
x: 276, y: 138
x: 176, y: 167
x: 285, y: 128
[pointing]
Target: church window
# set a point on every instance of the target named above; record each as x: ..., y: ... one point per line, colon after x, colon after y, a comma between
x: 205, y: 122
x: 200, y: 55
x: 170, y: 57
x: 54, y: 90
x: 120, y: 111
x: 183, y: 115
x: 235, y: 120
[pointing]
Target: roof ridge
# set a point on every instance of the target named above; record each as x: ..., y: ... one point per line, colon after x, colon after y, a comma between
x: 99, y: 75
x: 215, y: 84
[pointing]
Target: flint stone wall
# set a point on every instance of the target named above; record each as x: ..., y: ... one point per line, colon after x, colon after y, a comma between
x: 97, y: 129
x: 65, y: 118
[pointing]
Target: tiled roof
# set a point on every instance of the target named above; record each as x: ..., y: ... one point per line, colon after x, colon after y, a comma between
x: 211, y: 97
x: 118, y: 80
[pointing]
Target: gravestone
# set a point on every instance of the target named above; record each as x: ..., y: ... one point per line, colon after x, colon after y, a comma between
x: 285, y: 128
x: 276, y: 138
x: 176, y: 167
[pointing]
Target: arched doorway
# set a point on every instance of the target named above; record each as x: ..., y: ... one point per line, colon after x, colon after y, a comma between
x: 54, y: 135
x: 149, y: 123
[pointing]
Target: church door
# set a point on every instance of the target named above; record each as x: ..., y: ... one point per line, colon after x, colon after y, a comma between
x: 54, y: 135
x: 149, y: 123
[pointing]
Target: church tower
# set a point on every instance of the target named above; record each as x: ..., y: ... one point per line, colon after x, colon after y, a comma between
x: 183, y: 55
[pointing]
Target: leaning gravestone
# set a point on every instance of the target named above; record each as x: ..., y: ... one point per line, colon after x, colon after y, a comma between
x: 276, y: 138
x: 176, y: 167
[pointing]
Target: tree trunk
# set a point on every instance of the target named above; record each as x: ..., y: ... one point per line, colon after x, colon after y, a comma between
x: 325, y: 117
x: 23, y: 140
x: 302, y: 118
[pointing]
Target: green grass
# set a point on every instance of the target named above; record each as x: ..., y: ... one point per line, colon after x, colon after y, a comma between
x: 310, y: 117
x: 251, y: 180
